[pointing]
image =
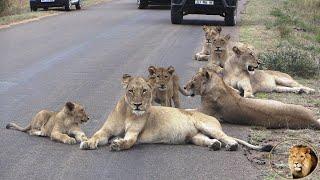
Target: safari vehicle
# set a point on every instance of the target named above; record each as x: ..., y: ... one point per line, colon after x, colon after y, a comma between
x: 224, y: 8
x: 142, y: 4
x: 45, y: 4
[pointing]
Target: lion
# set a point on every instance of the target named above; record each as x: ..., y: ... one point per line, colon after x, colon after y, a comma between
x: 135, y: 120
x: 221, y: 101
x: 302, y: 161
x: 219, y: 50
x: 240, y: 72
x: 210, y: 32
x: 59, y: 126
x: 166, y: 86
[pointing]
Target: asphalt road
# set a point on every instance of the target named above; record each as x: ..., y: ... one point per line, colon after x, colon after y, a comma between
x: 81, y: 56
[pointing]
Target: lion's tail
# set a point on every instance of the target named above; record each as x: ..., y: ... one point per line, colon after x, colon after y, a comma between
x: 19, y: 128
x: 182, y: 91
x: 266, y: 148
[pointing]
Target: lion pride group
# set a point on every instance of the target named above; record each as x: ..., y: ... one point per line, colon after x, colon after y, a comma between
x: 227, y: 85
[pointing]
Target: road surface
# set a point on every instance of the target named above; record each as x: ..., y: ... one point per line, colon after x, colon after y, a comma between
x: 81, y: 56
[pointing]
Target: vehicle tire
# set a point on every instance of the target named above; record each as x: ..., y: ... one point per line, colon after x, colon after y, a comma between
x: 68, y: 5
x: 142, y: 4
x: 176, y: 14
x: 78, y: 5
x: 230, y: 18
x: 33, y: 8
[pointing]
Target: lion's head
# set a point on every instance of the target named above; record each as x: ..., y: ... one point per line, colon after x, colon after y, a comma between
x: 301, y: 161
x: 220, y: 43
x: 246, y: 58
x: 138, y: 94
x: 77, y: 111
x: 204, y: 80
x: 162, y: 76
x: 211, y: 32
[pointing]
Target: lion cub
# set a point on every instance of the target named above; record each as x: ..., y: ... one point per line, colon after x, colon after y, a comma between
x: 57, y: 125
x: 302, y: 161
x: 210, y: 32
x: 166, y: 86
x: 219, y: 50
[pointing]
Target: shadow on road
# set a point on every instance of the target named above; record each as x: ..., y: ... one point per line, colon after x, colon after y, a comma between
x: 201, y: 22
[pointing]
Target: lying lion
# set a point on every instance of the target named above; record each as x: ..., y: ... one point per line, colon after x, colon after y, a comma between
x: 210, y: 32
x: 302, y: 161
x: 57, y: 125
x: 137, y: 121
x: 240, y: 73
x: 223, y: 102
x: 166, y: 86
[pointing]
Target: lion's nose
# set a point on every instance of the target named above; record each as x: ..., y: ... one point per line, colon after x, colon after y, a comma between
x: 137, y: 105
x: 162, y: 85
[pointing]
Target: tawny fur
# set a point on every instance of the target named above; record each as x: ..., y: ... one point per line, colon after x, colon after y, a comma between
x: 221, y: 101
x: 135, y: 120
x: 166, y: 87
x: 302, y: 161
x: 209, y: 33
x: 58, y: 126
x: 240, y: 73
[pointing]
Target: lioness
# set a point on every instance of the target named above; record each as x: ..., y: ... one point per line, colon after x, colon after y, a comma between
x: 210, y: 32
x: 240, y: 73
x: 302, y: 161
x: 219, y: 50
x: 166, y: 86
x: 221, y: 101
x: 57, y: 125
x: 137, y: 121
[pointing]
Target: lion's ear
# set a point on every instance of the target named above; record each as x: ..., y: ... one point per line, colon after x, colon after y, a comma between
x: 218, y: 29
x: 227, y: 37
x: 236, y: 50
x: 308, y: 150
x: 207, y: 73
x: 171, y: 69
x: 151, y: 82
x: 70, y: 106
x: 125, y: 80
x: 204, y: 27
x: 152, y: 70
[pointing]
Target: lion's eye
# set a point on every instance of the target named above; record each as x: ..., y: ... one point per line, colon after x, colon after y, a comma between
x: 158, y: 76
x: 130, y: 91
x: 166, y: 76
x: 144, y: 91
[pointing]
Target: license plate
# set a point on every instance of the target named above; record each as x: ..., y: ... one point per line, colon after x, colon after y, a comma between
x: 47, y: 0
x: 204, y: 2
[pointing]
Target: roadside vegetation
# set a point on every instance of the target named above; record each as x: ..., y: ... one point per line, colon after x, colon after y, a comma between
x: 15, y: 11
x: 286, y: 34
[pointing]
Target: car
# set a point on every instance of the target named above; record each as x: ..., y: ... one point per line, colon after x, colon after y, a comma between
x: 143, y: 4
x: 224, y: 8
x: 45, y: 4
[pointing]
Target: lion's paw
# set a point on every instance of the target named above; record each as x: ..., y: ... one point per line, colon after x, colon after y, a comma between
x: 215, y: 146
x: 117, y: 144
x: 232, y: 147
x: 71, y: 141
x: 88, y: 145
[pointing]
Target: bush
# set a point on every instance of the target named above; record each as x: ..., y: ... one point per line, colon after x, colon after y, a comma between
x: 292, y: 61
x: 4, y: 4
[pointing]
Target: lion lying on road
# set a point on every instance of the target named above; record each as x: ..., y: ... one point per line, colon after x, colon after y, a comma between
x: 166, y: 86
x: 221, y: 101
x: 210, y: 32
x: 240, y: 73
x: 302, y: 161
x: 137, y: 121
x: 57, y: 125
